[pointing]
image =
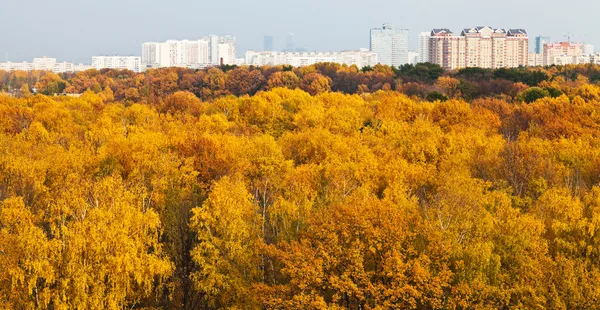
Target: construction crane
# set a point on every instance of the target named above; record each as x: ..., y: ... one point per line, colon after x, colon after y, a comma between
x: 569, y: 35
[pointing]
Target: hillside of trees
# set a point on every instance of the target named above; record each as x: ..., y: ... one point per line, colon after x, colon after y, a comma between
x: 324, y: 187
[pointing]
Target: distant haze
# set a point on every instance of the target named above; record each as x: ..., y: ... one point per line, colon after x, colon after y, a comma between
x: 75, y: 30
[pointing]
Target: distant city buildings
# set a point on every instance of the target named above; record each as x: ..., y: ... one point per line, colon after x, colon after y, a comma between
x: 539, y: 43
x: 390, y: 44
x: 268, y: 43
x: 566, y: 53
x: 133, y: 63
x: 43, y: 64
x: 290, y: 43
x: 483, y: 47
x: 211, y: 50
x: 360, y: 58
x: 173, y: 53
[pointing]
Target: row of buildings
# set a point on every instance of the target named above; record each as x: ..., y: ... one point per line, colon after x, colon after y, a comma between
x: 360, y: 58
x: 211, y: 50
x: 487, y: 47
x: 388, y: 45
x: 562, y: 53
x: 483, y: 47
x: 132, y: 63
x: 43, y: 64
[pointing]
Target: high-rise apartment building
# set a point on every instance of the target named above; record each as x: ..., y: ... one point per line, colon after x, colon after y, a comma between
x: 424, y: 46
x: 482, y: 47
x: 133, y: 63
x: 390, y: 44
x: 588, y: 49
x: 222, y: 50
x: 151, y: 54
x: 517, y: 48
x: 446, y: 49
x: 539, y: 43
x: 211, y: 50
x: 268, y: 43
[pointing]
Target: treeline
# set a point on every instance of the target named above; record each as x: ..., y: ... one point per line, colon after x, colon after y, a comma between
x: 284, y: 200
x: 422, y: 81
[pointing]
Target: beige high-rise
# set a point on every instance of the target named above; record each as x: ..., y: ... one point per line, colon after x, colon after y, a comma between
x: 482, y: 47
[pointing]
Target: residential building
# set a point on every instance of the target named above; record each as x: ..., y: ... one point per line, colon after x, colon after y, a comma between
x: 413, y: 57
x: 424, y: 46
x: 360, y: 58
x: 535, y: 60
x: 483, y: 47
x: 43, y: 64
x: 588, y: 49
x: 516, y: 49
x: 539, y: 43
x: 560, y: 53
x: 390, y: 44
x: 446, y: 49
x: 223, y: 50
x: 133, y: 63
x: 211, y: 50
x: 151, y: 55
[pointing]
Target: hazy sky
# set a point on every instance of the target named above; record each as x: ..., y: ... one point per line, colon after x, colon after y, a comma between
x: 75, y: 30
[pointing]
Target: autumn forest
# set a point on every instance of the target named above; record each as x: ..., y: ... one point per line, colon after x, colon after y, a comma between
x: 320, y: 187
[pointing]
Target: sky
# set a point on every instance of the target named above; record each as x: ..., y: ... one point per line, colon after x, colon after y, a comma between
x: 76, y: 30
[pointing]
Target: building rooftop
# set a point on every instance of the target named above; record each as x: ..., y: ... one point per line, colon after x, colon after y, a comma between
x: 517, y: 31
x: 440, y: 31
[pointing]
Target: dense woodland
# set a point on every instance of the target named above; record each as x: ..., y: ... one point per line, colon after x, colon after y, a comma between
x: 423, y: 81
x: 324, y: 187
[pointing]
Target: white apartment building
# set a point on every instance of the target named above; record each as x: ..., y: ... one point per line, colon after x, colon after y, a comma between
x: 43, y: 64
x: 424, y: 46
x: 360, y: 58
x: 413, y: 58
x: 588, y: 49
x: 133, y: 63
x: 223, y: 50
x: 211, y: 50
x: 535, y: 60
x: 390, y: 44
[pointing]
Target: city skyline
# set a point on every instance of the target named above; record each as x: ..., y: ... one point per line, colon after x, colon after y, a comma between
x: 136, y: 22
